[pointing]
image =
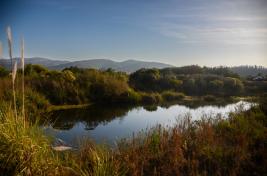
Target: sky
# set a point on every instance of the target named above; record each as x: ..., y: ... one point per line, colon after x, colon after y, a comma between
x: 178, y: 32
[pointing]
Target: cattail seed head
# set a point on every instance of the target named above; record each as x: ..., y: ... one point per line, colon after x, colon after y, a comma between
x: 9, y: 38
x: 14, y: 72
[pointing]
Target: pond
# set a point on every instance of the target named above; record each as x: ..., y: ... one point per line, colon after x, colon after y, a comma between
x: 110, y: 123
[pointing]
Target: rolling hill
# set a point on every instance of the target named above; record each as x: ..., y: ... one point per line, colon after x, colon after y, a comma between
x: 34, y: 60
x: 125, y: 66
x: 128, y: 66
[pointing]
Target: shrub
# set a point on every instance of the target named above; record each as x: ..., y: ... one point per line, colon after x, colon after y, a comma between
x: 172, y: 96
x: 151, y: 98
x: 35, y: 70
x: 133, y: 96
x: 35, y: 103
x: 3, y: 72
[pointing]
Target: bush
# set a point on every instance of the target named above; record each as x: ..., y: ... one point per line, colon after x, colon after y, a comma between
x: 151, y: 98
x: 108, y: 88
x: 172, y: 96
x: 133, y: 96
x: 35, y: 103
x: 35, y: 70
x: 3, y: 72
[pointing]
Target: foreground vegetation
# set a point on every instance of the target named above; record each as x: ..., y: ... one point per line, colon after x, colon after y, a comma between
x: 234, y: 146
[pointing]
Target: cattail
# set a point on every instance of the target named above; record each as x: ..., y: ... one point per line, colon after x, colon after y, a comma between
x: 22, y: 67
x: 14, y: 73
x: 13, y: 68
x: 9, y: 38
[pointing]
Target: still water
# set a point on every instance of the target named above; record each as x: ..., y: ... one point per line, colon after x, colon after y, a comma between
x: 109, y: 123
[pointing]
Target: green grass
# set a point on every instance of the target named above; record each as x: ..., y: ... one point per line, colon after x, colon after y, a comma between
x: 64, y: 107
x: 24, y: 149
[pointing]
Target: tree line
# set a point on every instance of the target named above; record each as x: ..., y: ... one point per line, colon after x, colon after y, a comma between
x: 77, y: 86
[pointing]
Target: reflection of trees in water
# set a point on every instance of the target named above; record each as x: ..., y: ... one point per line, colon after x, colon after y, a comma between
x: 151, y: 108
x: 197, y: 103
x: 91, y: 117
x: 192, y: 104
x: 94, y: 115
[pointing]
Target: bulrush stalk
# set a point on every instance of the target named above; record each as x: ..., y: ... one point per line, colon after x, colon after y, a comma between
x: 9, y: 38
x: 22, y: 67
x: 14, y: 73
x: 13, y: 68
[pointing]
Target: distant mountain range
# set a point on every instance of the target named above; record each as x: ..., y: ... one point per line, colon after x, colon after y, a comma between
x: 34, y: 60
x: 125, y: 66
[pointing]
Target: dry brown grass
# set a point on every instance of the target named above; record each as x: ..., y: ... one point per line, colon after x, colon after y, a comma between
x: 207, y: 147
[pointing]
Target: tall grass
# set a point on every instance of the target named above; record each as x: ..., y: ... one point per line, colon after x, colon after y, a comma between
x: 13, y: 68
x: 23, y: 80
x: 99, y: 160
x: 24, y: 150
x: 14, y: 73
x: 236, y: 146
x: 9, y: 40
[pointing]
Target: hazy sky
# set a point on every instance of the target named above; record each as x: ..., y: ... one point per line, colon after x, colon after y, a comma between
x: 179, y: 32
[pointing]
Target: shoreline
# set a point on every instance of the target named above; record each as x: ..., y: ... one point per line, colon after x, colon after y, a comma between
x: 187, y: 100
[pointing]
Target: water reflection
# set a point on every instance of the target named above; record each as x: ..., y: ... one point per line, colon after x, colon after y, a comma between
x: 91, y: 117
x: 112, y: 122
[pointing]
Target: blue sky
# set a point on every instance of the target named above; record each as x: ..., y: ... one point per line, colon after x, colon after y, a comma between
x: 203, y: 32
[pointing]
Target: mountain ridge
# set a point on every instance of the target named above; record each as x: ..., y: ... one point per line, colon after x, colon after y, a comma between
x: 129, y: 66
x: 125, y: 66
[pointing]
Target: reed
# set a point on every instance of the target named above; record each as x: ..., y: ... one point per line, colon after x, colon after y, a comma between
x: 14, y: 73
x: 9, y: 40
x: 23, y: 91
x: 25, y: 150
x: 13, y: 68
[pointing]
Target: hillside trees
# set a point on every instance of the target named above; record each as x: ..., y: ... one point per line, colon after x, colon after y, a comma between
x: 192, y: 80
